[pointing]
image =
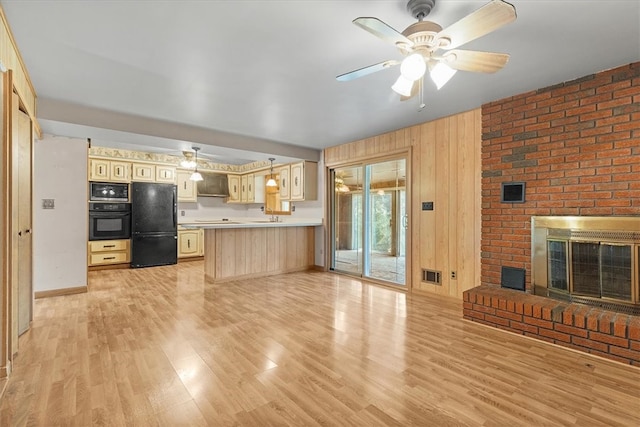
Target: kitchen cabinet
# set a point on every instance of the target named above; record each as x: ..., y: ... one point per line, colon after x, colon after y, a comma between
x: 105, y: 252
x: 187, y: 189
x: 304, y: 181
x: 190, y: 243
x: 143, y: 172
x: 166, y: 174
x: 109, y: 170
x: 258, y: 189
x: 234, y: 189
x: 284, y: 172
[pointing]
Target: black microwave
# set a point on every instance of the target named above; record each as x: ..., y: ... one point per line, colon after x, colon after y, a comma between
x: 108, y: 192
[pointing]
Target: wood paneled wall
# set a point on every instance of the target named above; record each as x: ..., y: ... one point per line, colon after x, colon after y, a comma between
x: 445, y: 168
x: 11, y: 59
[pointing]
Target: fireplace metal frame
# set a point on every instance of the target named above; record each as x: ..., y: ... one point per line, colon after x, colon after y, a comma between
x: 610, y: 230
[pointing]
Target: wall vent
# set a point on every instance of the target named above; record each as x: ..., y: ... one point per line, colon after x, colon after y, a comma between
x: 432, y: 276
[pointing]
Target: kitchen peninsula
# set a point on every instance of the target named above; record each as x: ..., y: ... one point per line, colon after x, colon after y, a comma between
x: 235, y: 249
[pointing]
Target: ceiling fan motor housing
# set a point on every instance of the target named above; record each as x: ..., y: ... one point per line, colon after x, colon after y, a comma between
x: 423, y: 35
x: 419, y: 9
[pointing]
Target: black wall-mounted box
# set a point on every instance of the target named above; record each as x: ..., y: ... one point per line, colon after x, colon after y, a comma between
x: 512, y: 192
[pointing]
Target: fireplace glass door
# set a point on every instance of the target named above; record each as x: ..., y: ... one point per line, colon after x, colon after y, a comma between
x: 591, y: 269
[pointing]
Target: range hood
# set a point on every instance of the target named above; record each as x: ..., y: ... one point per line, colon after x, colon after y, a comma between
x: 213, y: 185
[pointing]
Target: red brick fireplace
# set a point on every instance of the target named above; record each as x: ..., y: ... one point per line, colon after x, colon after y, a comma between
x: 576, y: 146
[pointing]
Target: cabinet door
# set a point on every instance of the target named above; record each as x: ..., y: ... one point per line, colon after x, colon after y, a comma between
x: 143, y: 172
x: 234, y: 189
x: 250, y: 188
x: 99, y: 170
x: 188, y: 243
x: 243, y: 189
x: 297, y: 181
x: 120, y: 171
x: 285, y: 192
x: 258, y: 189
x: 187, y: 190
x: 166, y: 174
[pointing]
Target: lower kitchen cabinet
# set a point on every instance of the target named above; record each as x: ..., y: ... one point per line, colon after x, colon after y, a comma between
x: 190, y: 243
x: 105, y: 252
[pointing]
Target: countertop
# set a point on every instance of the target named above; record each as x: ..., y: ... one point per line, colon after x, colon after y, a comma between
x: 249, y: 222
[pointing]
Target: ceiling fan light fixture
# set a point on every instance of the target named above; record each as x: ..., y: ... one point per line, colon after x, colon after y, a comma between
x: 403, y: 86
x: 188, y: 164
x: 441, y: 73
x: 413, y: 67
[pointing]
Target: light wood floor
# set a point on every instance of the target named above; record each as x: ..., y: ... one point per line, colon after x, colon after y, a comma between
x: 160, y: 346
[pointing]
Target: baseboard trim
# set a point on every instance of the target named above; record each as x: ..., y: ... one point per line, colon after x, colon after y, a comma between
x: 60, y: 292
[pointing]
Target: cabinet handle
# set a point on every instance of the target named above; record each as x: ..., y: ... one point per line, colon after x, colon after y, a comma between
x: 188, y: 243
x: 184, y: 184
x: 109, y: 257
x: 235, y: 188
x: 100, y: 170
x: 295, y: 182
x: 284, y: 183
x: 108, y: 246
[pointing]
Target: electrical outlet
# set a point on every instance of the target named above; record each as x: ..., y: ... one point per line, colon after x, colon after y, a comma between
x: 48, y: 203
x: 182, y: 213
x: 453, y: 274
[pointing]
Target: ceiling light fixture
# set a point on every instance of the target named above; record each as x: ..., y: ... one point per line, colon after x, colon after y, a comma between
x: 188, y: 162
x: 271, y: 182
x: 413, y: 67
x: 196, y: 176
x: 403, y: 86
x: 441, y: 73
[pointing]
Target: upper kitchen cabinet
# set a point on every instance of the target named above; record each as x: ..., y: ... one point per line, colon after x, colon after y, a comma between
x: 284, y: 172
x: 109, y: 170
x: 304, y: 181
x: 234, y: 188
x: 144, y: 172
x: 166, y: 174
x: 187, y: 189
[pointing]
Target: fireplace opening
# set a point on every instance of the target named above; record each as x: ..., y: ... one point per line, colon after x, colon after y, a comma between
x: 590, y: 260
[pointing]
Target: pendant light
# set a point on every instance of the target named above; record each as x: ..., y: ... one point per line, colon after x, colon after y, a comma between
x: 196, y: 176
x: 271, y: 182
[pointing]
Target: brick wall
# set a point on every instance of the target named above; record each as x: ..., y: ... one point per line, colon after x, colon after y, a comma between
x: 576, y: 145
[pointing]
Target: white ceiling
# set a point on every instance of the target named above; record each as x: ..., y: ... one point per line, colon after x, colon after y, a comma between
x: 249, y: 79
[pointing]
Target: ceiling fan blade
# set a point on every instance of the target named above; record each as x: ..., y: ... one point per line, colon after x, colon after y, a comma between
x: 488, y: 18
x: 351, y: 75
x: 381, y: 30
x: 479, y: 62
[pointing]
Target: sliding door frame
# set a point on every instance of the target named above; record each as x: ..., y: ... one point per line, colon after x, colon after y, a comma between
x: 329, y: 211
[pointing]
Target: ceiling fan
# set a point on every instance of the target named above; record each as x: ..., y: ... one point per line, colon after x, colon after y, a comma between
x: 422, y: 42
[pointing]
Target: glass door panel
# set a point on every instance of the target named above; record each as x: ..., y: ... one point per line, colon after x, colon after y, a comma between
x: 385, y: 221
x: 347, y: 220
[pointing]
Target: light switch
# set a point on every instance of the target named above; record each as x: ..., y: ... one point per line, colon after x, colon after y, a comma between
x: 48, y: 203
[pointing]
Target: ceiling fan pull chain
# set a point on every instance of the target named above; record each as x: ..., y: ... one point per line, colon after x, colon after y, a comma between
x: 421, y: 94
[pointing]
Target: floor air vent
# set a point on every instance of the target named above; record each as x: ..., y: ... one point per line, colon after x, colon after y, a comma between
x: 432, y: 276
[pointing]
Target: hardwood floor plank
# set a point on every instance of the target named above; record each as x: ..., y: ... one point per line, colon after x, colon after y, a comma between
x: 163, y: 346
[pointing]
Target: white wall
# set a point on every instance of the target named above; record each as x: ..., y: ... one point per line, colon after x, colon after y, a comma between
x: 60, y: 234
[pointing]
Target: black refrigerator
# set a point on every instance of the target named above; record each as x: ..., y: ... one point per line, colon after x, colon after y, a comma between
x: 154, y: 228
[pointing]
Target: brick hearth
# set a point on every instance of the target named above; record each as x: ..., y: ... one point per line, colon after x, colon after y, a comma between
x: 593, y: 330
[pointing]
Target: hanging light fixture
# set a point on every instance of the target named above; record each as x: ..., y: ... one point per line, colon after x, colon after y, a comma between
x: 196, y: 176
x: 271, y: 182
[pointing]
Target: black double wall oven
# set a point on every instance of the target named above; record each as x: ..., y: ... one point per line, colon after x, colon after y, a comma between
x: 109, y: 211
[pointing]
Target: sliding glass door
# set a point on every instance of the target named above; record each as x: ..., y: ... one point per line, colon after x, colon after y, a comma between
x: 369, y: 222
